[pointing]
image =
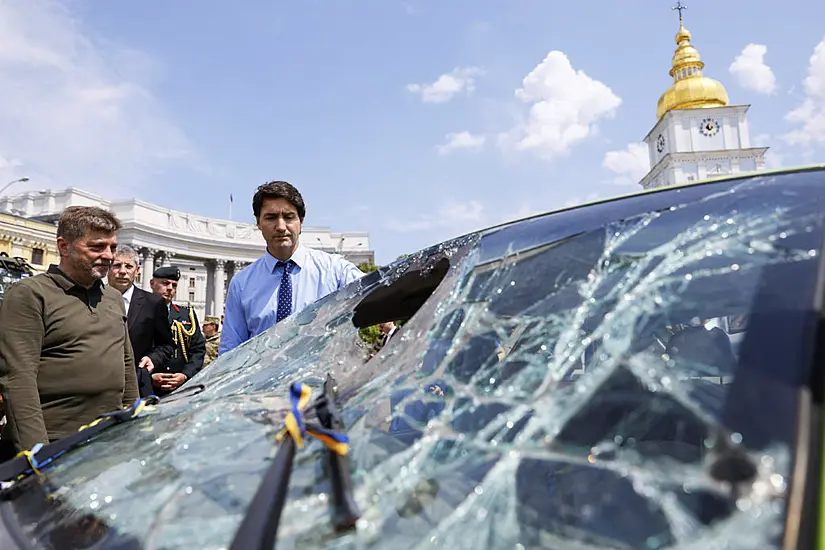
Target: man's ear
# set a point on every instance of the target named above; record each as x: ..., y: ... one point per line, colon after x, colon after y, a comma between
x: 63, y: 247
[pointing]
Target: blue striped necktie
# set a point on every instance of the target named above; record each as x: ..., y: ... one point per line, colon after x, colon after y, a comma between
x: 284, y: 292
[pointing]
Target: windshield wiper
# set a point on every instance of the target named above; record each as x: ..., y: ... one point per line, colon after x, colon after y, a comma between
x: 41, y: 456
x: 259, y: 528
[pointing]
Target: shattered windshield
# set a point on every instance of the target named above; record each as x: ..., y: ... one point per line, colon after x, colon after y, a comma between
x: 598, y: 378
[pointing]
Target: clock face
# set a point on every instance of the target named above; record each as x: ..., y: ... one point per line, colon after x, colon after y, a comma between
x: 660, y: 143
x: 709, y: 127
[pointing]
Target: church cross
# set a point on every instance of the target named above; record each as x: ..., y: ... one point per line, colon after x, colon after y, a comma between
x: 679, y: 6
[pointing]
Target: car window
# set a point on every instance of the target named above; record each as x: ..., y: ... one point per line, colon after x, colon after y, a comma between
x: 571, y: 382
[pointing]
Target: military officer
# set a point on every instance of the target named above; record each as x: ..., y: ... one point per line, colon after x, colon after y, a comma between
x: 212, y: 331
x: 190, y: 345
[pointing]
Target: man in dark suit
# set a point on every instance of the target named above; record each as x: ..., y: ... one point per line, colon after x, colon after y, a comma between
x: 385, y: 332
x: 146, y: 317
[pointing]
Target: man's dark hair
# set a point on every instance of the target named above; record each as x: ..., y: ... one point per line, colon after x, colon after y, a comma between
x: 278, y: 190
x: 76, y: 221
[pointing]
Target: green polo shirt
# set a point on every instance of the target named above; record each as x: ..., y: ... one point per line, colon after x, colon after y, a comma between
x: 65, y: 357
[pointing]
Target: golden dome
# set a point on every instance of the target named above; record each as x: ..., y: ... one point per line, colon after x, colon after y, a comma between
x: 690, y: 89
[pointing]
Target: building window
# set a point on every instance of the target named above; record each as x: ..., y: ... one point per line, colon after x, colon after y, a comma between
x: 191, y: 283
x: 37, y: 256
x: 191, y: 297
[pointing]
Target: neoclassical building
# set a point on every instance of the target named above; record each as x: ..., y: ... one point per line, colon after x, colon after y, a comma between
x: 208, y: 251
x: 29, y: 239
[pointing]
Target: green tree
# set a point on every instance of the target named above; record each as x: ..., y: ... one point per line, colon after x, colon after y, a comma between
x: 366, y: 267
x: 369, y: 335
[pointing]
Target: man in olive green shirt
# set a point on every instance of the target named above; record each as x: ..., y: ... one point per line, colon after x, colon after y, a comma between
x: 65, y: 355
x: 212, y: 333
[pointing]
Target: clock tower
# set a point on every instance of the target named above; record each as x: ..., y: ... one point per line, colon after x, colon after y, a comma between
x: 698, y: 134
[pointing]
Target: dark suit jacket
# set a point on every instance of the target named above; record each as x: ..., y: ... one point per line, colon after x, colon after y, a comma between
x: 150, y: 335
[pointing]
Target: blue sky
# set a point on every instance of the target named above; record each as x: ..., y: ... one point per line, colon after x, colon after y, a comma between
x: 409, y: 119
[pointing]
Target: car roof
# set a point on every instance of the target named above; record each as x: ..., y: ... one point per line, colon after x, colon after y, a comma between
x: 643, y: 192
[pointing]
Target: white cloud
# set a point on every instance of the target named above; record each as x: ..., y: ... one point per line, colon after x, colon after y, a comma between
x: 461, y: 141
x: 773, y: 157
x: 457, y: 216
x: 630, y: 165
x: 77, y: 109
x: 582, y: 199
x: 774, y: 160
x: 448, y: 85
x: 810, y: 114
x: 751, y: 72
x: 526, y: 210
x: 566, y: 106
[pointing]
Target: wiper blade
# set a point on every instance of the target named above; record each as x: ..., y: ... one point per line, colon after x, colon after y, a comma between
x: 41, y: 456
x: 259, y: 528
x: 260, y: 524
x: 345, y: 510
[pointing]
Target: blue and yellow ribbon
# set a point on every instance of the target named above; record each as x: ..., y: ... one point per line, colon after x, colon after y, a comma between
x: 140, y: 405
x: 32, y: 459
x: 295, y: 427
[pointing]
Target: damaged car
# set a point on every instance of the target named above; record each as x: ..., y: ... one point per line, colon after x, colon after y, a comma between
x: 11, y: 271
x: 638, y: 373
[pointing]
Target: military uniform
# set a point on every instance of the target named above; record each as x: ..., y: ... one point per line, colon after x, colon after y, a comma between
x: 212, y: 342
x: 190, y: 345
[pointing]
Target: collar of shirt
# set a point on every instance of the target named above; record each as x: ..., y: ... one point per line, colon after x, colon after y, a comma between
x: 67, y: 283
x: 127, y: 296
x: 299, y: 257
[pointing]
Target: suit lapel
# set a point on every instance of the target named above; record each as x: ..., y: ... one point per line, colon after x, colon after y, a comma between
x: 135, y: 305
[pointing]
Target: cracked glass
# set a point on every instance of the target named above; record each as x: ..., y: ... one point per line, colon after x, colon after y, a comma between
x: 592, y: 378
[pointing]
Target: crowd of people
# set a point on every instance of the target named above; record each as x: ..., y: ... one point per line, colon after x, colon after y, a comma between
x: 82, y: 339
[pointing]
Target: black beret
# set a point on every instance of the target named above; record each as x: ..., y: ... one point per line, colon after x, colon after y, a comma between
x: 170, y: 272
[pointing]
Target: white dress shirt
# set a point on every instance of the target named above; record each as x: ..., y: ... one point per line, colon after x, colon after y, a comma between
x: 127, y: 297
x: 252, y: 298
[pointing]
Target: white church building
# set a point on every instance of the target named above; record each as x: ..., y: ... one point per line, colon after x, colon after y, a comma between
x: 698, y: 135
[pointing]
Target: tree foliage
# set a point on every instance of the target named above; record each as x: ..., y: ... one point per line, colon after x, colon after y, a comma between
x: 369, y: 335
x: 366, y: 267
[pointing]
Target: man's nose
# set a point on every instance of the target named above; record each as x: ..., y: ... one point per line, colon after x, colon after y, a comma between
x: 280, y: 224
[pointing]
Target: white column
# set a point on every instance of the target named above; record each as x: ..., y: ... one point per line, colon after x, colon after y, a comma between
x: 219, y: 276
x: 148, y: 267
x: 209, y: 290
x: 167, y: 259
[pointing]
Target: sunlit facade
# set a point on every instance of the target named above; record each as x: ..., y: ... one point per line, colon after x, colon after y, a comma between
x: 29, y: 239
x: 208, y: 251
